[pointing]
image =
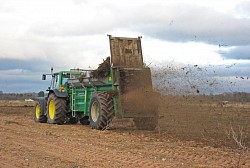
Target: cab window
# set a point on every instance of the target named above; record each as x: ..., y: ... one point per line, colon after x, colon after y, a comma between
x: 56, y: 81
x: 65, y: 78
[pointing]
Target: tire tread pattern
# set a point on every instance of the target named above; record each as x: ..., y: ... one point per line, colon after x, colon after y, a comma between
x: 60, y: 110
x: 42, y: 118
x: 107, y: 111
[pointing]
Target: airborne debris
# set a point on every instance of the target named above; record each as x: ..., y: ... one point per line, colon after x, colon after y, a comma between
x: 102, y: 70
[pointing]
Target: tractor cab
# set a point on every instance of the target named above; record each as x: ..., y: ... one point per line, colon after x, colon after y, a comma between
x: 60, y: 80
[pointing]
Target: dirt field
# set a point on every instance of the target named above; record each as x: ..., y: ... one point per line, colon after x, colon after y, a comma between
x: 211, y: 122
x: 187, y: 136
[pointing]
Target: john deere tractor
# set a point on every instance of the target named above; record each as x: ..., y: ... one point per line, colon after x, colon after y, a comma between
x: 121, y: 87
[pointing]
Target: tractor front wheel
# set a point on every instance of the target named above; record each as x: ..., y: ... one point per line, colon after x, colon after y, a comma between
x: 56, y: 109
x: 38, y: 113
x: 101, y: 110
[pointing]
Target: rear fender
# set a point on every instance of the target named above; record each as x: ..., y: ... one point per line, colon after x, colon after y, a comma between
x: 58, y: 93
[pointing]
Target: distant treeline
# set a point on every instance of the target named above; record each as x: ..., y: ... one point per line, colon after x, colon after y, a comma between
x: 17, y: 96
x: 225, y: 97
x: 234, y: 96
x: 230, y: 97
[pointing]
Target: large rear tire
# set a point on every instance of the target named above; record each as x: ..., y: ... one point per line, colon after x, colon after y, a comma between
x: 56, y: 109
x: 101, y: 110
x: 39, y: 113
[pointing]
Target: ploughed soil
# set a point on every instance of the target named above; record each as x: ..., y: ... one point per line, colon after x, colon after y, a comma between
x: 190, y: 134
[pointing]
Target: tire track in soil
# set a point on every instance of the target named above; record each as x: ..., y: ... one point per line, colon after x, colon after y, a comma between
x: 83, y: 154
x: 136, y: 162
x: 91, y: 151
x: 196, y: 156
x: 6, y: 160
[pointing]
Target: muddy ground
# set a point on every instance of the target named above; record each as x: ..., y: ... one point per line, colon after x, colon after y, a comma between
x: 190, y: 134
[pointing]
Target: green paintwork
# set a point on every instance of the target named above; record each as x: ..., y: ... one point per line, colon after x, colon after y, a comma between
x: 78, y: 95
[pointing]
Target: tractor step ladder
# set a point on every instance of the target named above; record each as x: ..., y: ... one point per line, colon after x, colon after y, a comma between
x: 73, y: 105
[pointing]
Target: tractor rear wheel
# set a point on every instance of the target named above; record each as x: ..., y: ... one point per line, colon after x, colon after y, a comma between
x: 38, y: 113
x: 56, y: 109
x: 101, y: 110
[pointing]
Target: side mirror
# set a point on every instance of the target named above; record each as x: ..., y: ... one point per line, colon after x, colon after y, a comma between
x: 44, y: 77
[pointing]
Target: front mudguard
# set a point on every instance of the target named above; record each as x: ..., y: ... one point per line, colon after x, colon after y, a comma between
x: 59, y: 93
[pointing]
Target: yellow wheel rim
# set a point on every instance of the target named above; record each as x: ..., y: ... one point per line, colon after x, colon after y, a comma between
x: 52, y: 109
x: 95, y: 111
x: 37, y: 111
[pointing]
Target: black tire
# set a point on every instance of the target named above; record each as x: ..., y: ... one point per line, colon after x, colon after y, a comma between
x: 147, y: 123
x: 101, y: 110
x: 56, y: 109
x: 39, y: 112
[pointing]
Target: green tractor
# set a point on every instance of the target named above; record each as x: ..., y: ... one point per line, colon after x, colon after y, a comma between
x: 121, y: 87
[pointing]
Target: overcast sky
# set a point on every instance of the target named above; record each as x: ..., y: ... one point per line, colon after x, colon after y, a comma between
x: 38, y: 34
